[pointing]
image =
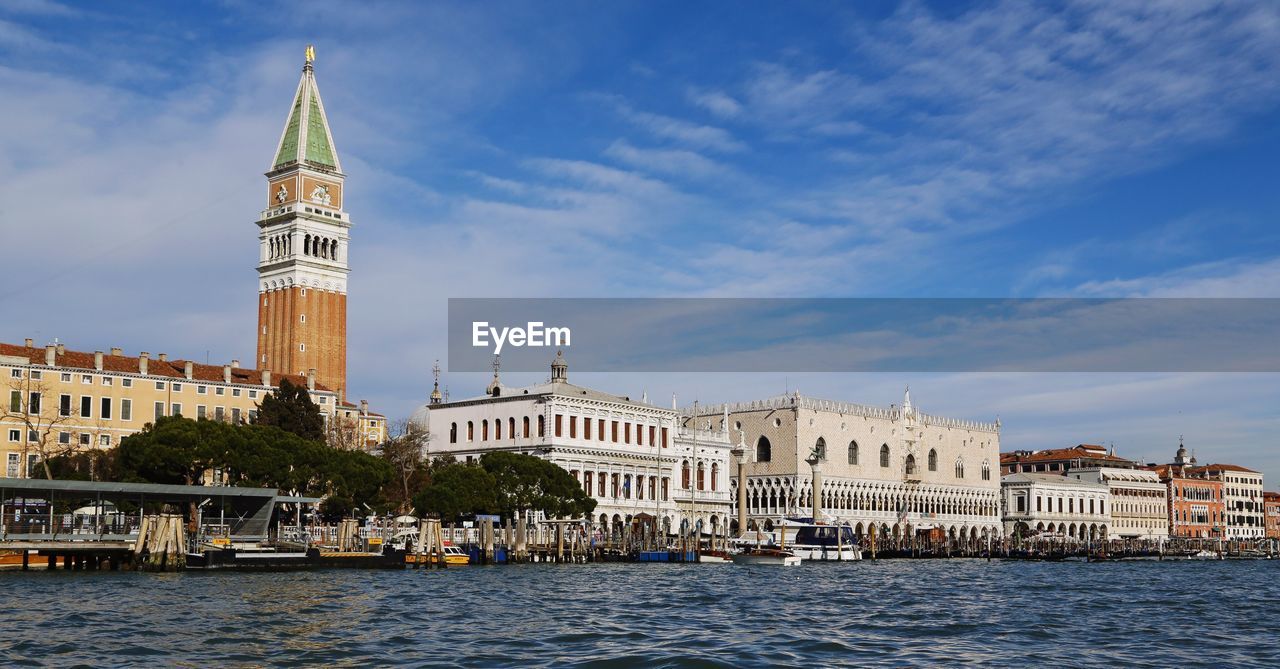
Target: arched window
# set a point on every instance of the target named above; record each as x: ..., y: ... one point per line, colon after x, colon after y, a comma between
x: 484, y: 430
x: 715, y: 475
x: 306, y: 245
x: 542, y: 427
x: 526, y: 430
x: 684, y: 474
x: 821, y: 447
x: 959, y: 468
x: 511, y: 427
x: 764, y: 450
x: 933, y: 460
x: 701, y: 476
x: 853, y: 452
x: 884, y: 455
x: 911, y: 465
x: 453, y: 433
x: 471, y: 431
x: 497, y: 428
x: 986, y: 472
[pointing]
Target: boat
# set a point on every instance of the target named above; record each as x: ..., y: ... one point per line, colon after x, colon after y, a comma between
x: 767, y: 556
x: 820, y: 543
x: 715, y: 556
x: 454, y: 556
x: 1204, y: 555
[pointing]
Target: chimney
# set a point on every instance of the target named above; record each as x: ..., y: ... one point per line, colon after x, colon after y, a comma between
x: 29, y: 343
x: 62, y: 348
x: 163, y: 357
x: 266, y: 378
x: 188, y: 370
x: 364, y: 407
x: 226, y: 373
x: 143, y: 357
x: 311, y: 379
x: 116, y: 350
x: 235, y: 364
x: 97, y: 360
x: 51, y: 355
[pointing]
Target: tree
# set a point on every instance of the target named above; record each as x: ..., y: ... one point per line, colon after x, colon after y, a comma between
x: 457, y: 490
x: 91, y: 465
x: 31, y: 404
x: 174, y: 449
x: 525, y: 483
x: 290, y: 408
x: 410, y: 472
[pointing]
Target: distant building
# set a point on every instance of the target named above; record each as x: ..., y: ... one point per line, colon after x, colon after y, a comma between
x: 1051, y: 506
x: 1139, y: 506
x: 58, y: 400
x: 1062, y: 460
x: 1271, y: 514
x: 895, y: 467
x: 635, y: 459
x: 1196, y: 506
x: 1242, y: 488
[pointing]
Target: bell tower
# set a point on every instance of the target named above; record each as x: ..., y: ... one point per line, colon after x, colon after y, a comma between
x: 303, y: 237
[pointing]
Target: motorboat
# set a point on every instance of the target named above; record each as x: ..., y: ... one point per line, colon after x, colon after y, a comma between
x: 715, y: 556
x: 767, y: 557
x: 820, y: 543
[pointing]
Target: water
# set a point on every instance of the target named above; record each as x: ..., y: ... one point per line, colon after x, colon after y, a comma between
x: 900, y: 612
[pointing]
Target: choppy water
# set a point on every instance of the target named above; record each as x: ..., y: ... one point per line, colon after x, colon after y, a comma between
x: 871, y: 613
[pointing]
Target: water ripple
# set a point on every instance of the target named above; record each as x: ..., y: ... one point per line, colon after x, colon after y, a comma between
x: 887, y: 613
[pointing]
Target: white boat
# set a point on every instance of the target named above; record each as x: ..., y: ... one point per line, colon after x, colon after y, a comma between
x: 715, y: 557
x: 767, y: 557
x: 821, y: 543
x: 1204, y: 555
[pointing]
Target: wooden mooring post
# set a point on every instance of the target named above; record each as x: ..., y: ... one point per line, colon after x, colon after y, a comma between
x: 161, y: 544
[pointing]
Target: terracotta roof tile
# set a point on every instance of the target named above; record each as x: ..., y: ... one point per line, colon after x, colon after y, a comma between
x: 174, y: 369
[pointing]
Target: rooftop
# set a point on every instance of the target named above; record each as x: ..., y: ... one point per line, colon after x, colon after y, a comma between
x: 1077, y: 452
x: 124, y: 364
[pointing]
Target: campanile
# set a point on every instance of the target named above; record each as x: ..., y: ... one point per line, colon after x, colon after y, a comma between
x: 303, y: 237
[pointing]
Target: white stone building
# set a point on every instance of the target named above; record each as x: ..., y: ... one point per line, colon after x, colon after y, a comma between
x: 632, y: 457
x: 1139, y: 501
x: 1053, y: 506
x: 896, y: 468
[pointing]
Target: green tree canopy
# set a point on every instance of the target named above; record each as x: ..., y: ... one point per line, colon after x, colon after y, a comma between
x: 290, y: 408
x: 457, y: 490
x: 528, y: 483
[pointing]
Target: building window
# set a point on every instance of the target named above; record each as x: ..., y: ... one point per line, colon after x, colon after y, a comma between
x: 933, y: 460
x: 235, y: 392
x: 126, y: 409
x: 573, y: 427
x: 219, y: 391
x: 235, y: 415
x: 159, y: 410
x: 220, y: 414
x: 453, y: 433
x: 202, y: 412
x: 127, y: 383
x: 177, y: 387
x: 15, y: 435
x: 586, y: 428
x: 64, y: 405
x: 303, y: 318
x: 853, y: 452
x: 85, y: 439
x: 820, y: 449
x: 484, y: 429
x: 66, y: 378
x: 525, y: 424
x: 64, y: 438
x: 715, y: 475
x: 33, y: 403
x: 15, y: 462
x: 105, y: 412
x: 177, y: 409
x: 884, y: 455
x: 764, y: 450
x: 471, y: 431
x: 986, y: 470
x: 86, y: 379
x: 702, y: 476
x: 664, y: 437
x: 960, y: 474
x: 159, y: 385
x: 542, y: 426
x: 652, y: 432
x: 202, y: 390
x: 86, y: 406
x: 15, y: 401
x: 106, y: 380
x: 911, y: 465
x: 559, y: 420
x: 684, y: 474
x: 302, y: 347
x: 613, y: 430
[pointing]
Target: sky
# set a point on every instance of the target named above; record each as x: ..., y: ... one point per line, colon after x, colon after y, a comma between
x: 662, y: 149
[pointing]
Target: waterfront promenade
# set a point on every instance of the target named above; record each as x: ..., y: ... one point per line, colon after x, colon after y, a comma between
x: 883, y: 613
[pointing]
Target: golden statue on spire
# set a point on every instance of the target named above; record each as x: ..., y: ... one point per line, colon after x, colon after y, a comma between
x: 311, y: 54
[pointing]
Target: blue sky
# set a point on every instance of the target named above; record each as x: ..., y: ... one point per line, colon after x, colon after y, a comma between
x: 662, y: 149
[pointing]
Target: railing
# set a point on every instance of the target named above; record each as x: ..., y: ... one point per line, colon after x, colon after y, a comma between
x: 21, y: 526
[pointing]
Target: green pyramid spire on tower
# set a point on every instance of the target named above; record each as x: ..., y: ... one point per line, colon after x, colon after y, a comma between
x: 306, y: 138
